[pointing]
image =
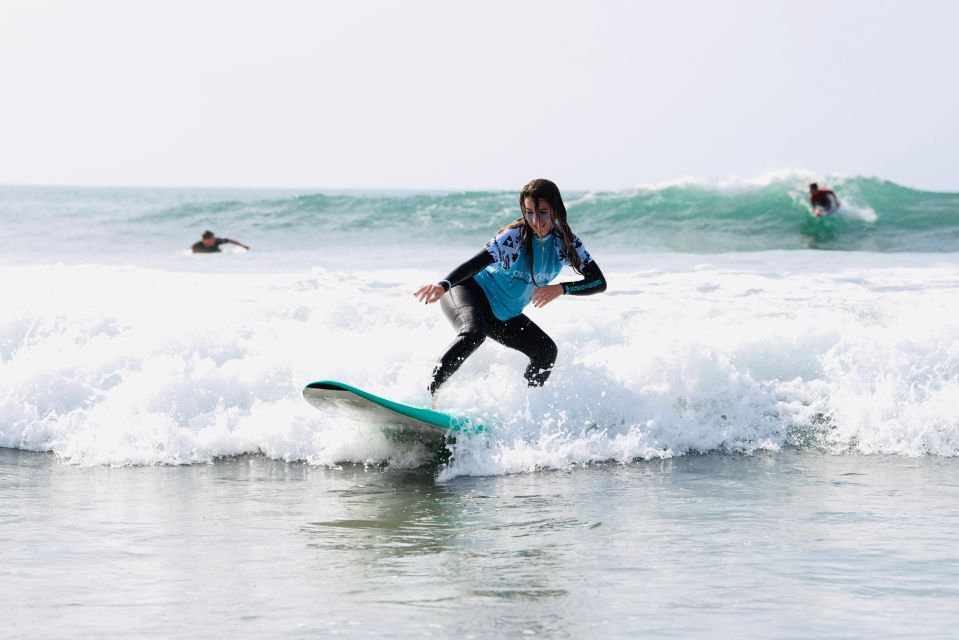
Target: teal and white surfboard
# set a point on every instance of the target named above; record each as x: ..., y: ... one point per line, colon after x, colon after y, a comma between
x: 395, y: 418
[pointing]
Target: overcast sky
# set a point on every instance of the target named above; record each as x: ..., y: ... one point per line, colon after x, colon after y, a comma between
x: 475, y: 95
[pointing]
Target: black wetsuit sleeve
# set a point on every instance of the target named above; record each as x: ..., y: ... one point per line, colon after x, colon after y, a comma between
x: 468, y: 269
x: 593, y: 282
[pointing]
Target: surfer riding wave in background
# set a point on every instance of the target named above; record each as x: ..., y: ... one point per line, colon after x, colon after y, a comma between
x: 488, y: 292
x: 824, y: 202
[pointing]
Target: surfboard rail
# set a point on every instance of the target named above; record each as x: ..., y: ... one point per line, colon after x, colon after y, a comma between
x: 387, y: 413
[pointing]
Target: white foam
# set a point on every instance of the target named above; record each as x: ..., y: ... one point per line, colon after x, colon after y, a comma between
x: 126, y: 365
x: 736, y: 183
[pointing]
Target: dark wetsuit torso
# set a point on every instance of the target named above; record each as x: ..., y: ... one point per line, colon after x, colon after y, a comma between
x: 468, y: 308
x: 199, y: 247
x: 824, y: 199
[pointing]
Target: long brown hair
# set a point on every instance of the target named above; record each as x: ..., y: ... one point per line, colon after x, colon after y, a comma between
x: 539, y: 190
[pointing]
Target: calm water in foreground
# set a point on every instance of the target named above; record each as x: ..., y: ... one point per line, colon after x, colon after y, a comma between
x: 787, y: 545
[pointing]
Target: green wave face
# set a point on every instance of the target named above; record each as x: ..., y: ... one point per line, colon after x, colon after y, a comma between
x: 693, y: 216
x: 876, y: 216
x: 696, y: 218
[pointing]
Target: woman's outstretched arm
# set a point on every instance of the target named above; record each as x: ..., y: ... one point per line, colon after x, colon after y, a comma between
x: 430, y: 293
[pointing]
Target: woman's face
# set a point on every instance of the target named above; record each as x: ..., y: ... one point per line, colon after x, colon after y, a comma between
x: 539, y: 217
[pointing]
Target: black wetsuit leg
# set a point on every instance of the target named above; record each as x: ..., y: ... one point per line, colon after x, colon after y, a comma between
x: 468, y: 309
x: 524, y: 335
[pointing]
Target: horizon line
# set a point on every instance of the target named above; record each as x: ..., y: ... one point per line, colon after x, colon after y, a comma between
x: 679, y: 181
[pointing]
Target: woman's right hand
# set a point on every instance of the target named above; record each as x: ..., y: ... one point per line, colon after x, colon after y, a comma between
x: 429, y: 293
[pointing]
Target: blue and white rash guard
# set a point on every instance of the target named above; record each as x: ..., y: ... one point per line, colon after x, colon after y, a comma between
x: 507, y: 282
x: 501, y: 270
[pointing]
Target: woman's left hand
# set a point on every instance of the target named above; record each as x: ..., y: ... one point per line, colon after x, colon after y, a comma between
x: 542, y: 296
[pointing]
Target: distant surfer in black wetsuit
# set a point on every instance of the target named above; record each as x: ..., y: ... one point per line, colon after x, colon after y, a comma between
x: 211, y: 244
x: 485, y: 296
x: 824, y: 202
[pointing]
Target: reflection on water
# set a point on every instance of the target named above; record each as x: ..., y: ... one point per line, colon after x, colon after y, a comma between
x: 451, y: 541
x: 405, y: 513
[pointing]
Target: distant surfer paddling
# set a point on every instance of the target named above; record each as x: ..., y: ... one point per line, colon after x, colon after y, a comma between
x: 209, y: 243
x: 485, y: 296
x: 824, y: 202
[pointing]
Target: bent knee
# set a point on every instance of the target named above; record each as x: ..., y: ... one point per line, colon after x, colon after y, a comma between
x: 473, y: 334
x: 548, y: 350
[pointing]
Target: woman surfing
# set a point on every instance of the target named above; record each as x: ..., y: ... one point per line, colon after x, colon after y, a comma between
x: 485, y: 296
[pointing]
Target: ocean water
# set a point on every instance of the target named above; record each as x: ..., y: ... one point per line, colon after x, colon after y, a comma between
x: 739, y: 338
x: 786, y: 545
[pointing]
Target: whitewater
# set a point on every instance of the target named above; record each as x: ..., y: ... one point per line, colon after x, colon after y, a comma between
x: 119, y: 347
